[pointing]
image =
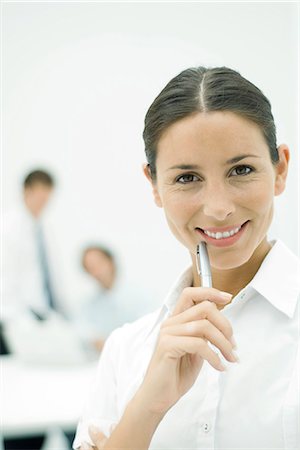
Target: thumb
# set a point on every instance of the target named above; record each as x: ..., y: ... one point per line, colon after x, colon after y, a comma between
x: 96, y: 436
x: 86, y: 446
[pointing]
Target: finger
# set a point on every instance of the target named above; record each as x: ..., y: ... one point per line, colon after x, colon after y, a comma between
x: 179, y: 346
x: 96, y: 436
x: 205, y: 310
x: 207, y: 331
x: 193, y: 295
x: 86, y: 446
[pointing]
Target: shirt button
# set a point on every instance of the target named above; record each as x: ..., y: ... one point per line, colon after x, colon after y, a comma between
x: 205, y: 427
x: 243, y: 294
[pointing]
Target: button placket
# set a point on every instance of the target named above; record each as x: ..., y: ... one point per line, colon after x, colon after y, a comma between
x: 206, y: 427
x: 206, y: 435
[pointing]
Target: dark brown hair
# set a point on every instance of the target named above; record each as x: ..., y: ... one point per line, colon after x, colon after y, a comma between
x: 202, y: 89
x: 38, y: 177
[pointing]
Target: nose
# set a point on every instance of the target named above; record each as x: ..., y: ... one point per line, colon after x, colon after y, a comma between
x: 217, y: 202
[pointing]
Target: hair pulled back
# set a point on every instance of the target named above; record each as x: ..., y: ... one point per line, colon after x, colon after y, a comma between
x: 202, y: 89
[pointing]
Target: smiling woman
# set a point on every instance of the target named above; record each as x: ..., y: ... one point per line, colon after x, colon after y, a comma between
x: 170, y: 380
x: 213, y: 175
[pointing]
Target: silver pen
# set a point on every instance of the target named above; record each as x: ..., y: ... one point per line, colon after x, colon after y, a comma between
x: 203, y: 265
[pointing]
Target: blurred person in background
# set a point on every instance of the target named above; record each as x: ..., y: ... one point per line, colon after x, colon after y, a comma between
x: 26, y: 279
x: 27, y: 287
x: 113, y: 303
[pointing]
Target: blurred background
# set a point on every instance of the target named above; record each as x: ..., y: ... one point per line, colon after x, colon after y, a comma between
x: 77, y: 80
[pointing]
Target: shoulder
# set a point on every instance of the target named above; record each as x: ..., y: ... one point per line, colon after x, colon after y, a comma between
x: 11, y: 216
x: 15, y: 219
x: 12, y: 227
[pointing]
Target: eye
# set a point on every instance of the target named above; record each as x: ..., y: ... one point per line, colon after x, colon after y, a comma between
x: 187, y: 178
x: 241, y: 170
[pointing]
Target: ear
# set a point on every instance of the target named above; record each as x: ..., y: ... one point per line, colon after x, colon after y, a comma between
x: 147, y: 173
x: 281, y: 168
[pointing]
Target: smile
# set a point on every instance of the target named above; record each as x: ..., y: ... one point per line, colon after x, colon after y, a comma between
x: 224, y: 236
x: 220, y: 235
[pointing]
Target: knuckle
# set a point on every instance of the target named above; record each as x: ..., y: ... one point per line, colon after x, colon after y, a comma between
x: 187, y: 292
x: 201, y: 345
x: 198, y: 327
x: 205, y: 325
x: 164, y: 341
x: 192, y: 328
x: 208, y: 305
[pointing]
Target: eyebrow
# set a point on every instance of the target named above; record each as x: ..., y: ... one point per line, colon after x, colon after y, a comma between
x: 229, y: 161
x: 239, y: 158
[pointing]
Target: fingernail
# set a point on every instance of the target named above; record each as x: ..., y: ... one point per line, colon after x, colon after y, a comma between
x: 233, y: 341
x: 226, y: 296
x: 237, y: 359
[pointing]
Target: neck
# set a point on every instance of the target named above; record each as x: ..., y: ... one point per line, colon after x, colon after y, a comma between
x: 31, y: 211
x: 106, y: 286
x: 234, y: 280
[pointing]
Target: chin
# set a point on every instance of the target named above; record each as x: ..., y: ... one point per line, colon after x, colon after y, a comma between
x: 228, y: 263
x: 233, y: 259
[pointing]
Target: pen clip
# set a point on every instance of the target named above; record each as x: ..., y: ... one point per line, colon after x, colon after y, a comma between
x: 203, y: 265
x: 198, y: 260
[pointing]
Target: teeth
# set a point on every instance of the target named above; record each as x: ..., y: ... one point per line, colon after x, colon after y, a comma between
x: 220, y: 235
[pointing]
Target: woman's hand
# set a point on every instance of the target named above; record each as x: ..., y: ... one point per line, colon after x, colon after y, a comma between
x: 97, y: 437
x: 182, y: 347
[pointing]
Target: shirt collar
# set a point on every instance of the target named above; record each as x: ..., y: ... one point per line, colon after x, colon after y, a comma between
x: 184, y: 280
x: 277, y: 280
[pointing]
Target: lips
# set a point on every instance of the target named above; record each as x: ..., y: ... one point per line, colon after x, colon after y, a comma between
x: 223, y: 229
x: 218, y: 240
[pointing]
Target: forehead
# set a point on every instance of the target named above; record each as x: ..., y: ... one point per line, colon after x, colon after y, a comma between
x: 40, y: 188
x: 220, y: 134
x: 96, y: 256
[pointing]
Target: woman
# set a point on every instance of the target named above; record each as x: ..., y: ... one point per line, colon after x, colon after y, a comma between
x: 163, y: 383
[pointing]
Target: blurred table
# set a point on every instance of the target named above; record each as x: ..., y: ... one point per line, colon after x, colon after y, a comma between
x: 37, y: 398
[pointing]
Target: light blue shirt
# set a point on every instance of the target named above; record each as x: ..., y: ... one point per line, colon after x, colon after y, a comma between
x: 106, y: 310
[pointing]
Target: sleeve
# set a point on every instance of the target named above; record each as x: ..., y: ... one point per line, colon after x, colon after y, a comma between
x: 101, y: 405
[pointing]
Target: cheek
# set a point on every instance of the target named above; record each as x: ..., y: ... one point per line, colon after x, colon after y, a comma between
x: 260, y: 198
x: 179, y: 208
x: 257, y: 203
x: 179, y: 211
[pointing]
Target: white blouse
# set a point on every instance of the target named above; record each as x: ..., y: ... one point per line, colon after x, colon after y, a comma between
x: 252, y: 405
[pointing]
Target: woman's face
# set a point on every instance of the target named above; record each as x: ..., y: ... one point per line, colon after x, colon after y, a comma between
x: 216, y: 183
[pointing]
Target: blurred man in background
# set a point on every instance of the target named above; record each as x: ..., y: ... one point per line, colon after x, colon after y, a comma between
x: 25, y: 275
x: 113, y: 303
x: 26, y: 279
x: 27, y: 282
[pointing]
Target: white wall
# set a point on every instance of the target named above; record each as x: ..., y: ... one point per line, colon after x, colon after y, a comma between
x: 77, y: 81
